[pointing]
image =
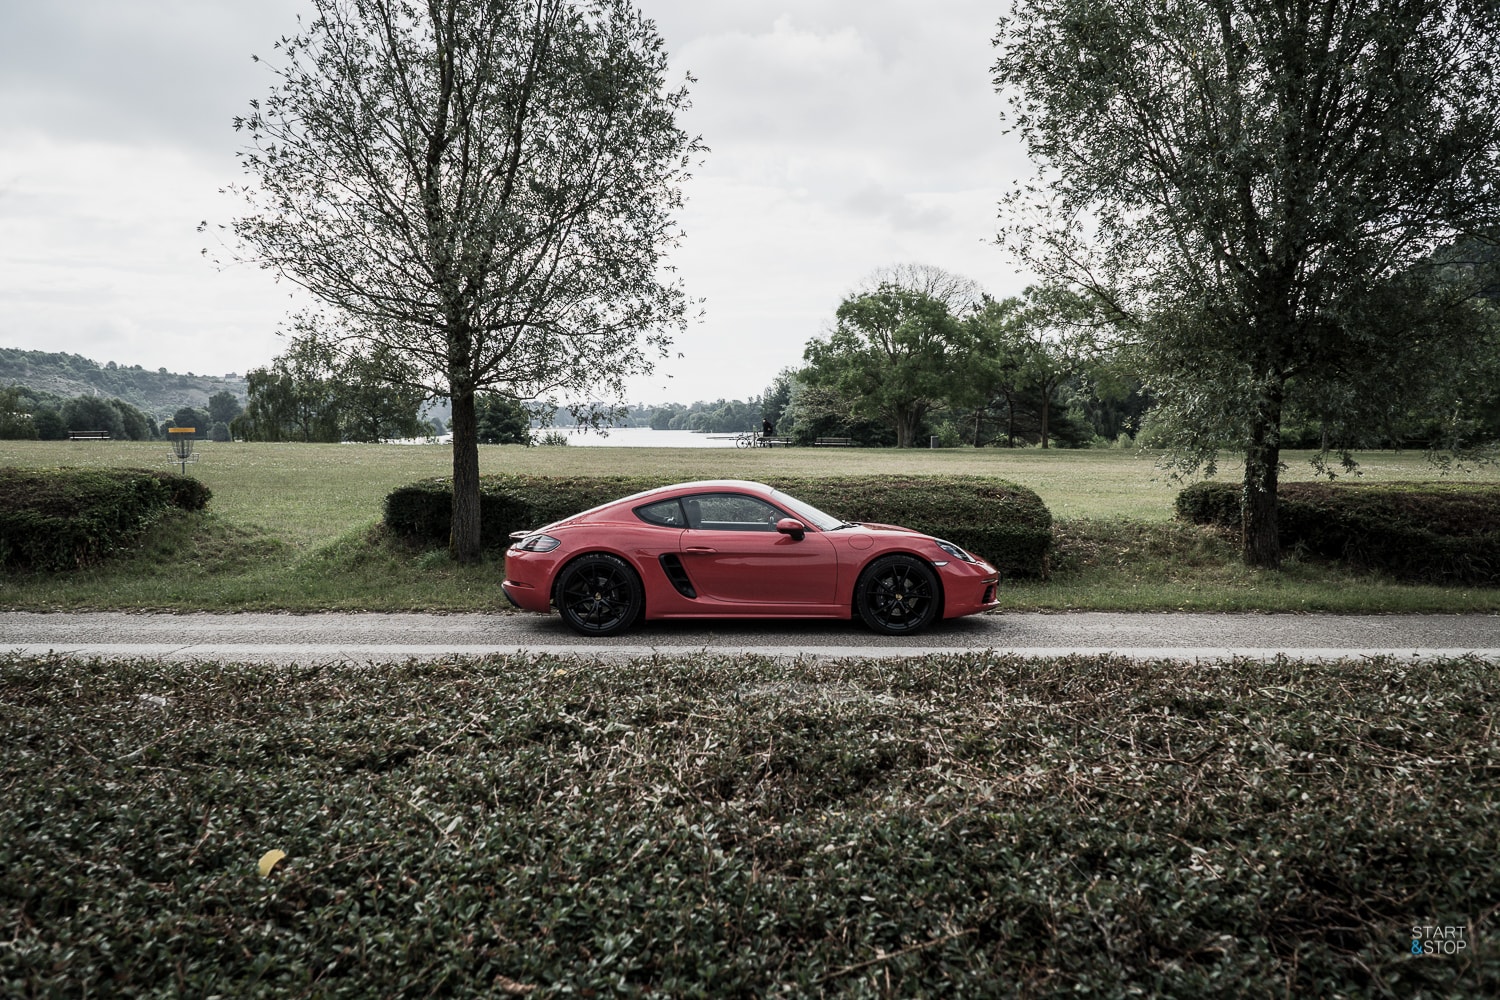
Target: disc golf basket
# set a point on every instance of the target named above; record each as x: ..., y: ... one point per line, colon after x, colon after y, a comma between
x: 182, y: 446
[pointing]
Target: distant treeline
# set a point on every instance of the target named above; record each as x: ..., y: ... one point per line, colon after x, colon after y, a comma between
x: 31, y: 414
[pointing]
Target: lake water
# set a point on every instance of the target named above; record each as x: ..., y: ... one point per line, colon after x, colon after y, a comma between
x: 643, y: 437
x: 618, y: 437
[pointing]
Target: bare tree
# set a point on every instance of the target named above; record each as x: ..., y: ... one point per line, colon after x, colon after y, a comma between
x: 959, y: 294
x: 485, y: 188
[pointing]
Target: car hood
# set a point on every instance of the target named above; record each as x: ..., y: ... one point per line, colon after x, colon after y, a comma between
x: 873, y: 526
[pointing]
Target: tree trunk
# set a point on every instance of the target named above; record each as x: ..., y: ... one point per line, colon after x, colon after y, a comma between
x: 464, y: 539
x: 1046, y: 413
x: 1260, y: 535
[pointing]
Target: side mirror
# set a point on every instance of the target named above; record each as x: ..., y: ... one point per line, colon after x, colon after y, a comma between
x: 792, y: 526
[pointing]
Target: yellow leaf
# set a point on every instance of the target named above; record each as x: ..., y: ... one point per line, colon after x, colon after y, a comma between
x: 269, y: 861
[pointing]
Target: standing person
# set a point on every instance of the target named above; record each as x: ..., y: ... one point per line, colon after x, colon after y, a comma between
x: 767, y: 429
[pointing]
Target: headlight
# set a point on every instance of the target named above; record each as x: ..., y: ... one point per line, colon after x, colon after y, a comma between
x: 538, y: 543
x: 954, y: 550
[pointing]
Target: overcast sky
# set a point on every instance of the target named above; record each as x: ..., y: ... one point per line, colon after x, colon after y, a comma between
x: 845, y: 135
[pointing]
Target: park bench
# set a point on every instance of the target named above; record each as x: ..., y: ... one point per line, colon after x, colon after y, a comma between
x: 774, y: 442
x: 88, y: 435
x: 827, y: 442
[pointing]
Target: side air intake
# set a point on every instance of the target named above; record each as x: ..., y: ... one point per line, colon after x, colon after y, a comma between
x: 672, y: 565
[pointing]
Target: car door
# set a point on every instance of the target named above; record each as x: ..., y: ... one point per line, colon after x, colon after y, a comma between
x: 734, y: 554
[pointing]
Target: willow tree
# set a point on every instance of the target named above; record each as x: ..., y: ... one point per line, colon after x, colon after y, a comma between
x: 1259, y: 191
x: 484, y: 188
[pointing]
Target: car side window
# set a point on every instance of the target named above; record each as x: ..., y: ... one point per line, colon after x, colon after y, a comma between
x: 666, y: 513
x: 730, y: 512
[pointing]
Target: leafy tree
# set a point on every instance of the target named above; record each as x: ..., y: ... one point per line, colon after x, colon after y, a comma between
x: 502, y: 420
x: 1255, y: 190
x: 134, y: 424
x: 664, y: 416
x: 817, y: 410
x: 484, y: 187
x: 223, y: 407
x: 777, y: 395
x: 50, y: 425
x: 997, y: 369
x: 93, y: 413
x: 315, y: 391
x: 16, y: 422
x: 1061, y: 336
x: 896, y: 352
x: 191, y: 416
x: 370, y: 406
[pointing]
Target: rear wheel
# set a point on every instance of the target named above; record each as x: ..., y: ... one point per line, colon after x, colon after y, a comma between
x: 599, y: 595
x: 897, y: 595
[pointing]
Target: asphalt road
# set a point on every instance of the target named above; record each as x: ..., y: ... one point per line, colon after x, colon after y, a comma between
x: 379, y: 638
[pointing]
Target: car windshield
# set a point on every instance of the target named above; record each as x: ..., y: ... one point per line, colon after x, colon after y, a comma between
x: 807, y: 512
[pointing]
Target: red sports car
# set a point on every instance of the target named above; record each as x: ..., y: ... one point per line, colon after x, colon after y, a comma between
x: 732, y: 549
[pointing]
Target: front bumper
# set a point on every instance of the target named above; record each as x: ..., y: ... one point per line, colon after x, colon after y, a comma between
x: 969, y: 588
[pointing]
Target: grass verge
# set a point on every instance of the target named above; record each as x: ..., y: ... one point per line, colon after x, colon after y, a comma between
x: 295, y: 527
x: 715, y: 826
x: 1132, y: 565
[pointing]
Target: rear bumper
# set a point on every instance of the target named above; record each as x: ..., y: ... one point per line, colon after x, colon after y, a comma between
x: 526, y: 597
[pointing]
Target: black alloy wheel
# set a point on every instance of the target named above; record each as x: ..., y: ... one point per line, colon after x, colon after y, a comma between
x: 599, y: 595
x: 897, y: 595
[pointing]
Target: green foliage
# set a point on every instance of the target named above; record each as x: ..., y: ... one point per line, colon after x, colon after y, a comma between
x: 1428, y: 532
x: 223, y: 407
x: 1268, y: 200
x: 16, y: 417
x: 1003, y: 522
x: 895, y: 353
x: 104, y: 413
x: 502, y: 420
x: 319, y: 391
x: 733, y: 827
x: 57, y: 519
x: 722, y: 416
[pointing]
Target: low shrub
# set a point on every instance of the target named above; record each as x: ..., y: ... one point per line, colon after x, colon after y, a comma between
x: 1421, y: 532
x: 52, y: 519
x: 712, y: 826
x: 1003, y: 522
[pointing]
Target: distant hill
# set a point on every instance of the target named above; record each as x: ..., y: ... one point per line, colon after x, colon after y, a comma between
x: 160, y: 393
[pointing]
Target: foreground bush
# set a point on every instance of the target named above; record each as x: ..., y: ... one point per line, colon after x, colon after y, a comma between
x: 1421, y: 532
x: 65, y: 518
x: 955, y: 826
x: 1003, y: 522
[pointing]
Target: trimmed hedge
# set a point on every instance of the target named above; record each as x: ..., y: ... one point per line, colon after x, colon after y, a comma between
x: 976, y: 826
x: 1003, y: 522
x: 1421, y: 532
x: 54, y: 519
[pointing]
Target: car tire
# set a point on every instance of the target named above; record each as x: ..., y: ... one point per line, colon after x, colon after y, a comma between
x: 599, y: 595
x: 898, y: 595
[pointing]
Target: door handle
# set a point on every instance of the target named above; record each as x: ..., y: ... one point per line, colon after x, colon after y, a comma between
x: 700, y: 549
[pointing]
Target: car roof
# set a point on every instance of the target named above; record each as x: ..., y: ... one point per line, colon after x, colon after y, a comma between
x: 664, y: 492
x: 742, y: 485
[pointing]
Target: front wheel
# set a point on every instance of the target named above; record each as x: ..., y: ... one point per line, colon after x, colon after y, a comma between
x: 742, y: 441
x: 599, y: 595
x: 897, y: 595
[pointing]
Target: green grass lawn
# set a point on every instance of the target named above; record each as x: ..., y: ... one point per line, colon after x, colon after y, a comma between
x: 710, y: 826
x: 296, y: 527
